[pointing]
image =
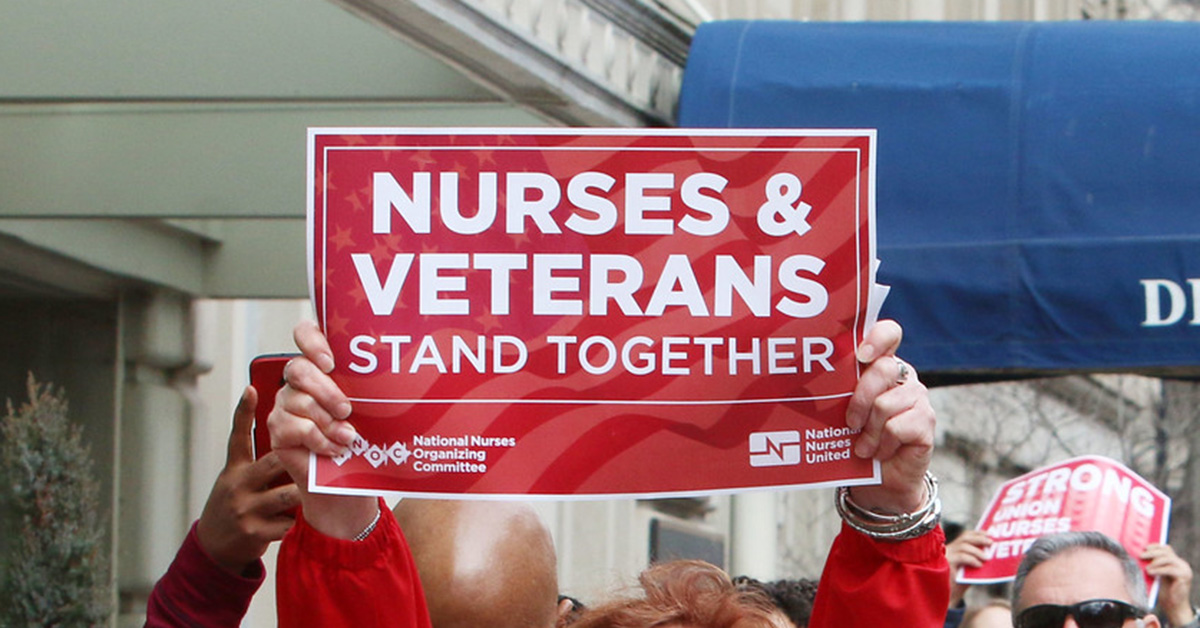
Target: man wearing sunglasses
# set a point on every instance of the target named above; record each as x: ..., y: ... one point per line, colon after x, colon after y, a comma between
x: 1080, y: 580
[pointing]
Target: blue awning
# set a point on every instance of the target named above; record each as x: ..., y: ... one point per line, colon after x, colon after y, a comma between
x: 1038, y: 184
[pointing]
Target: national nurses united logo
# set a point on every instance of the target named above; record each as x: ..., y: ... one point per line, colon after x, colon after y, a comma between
x: 789, y: 448
x: 775, y: 449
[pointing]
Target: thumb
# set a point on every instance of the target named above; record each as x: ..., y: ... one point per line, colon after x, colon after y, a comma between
x: 881, y: 339
x: 243, y: 420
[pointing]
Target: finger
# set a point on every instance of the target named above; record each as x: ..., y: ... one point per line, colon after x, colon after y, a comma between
x: 1167, y: 566
x: 302, y: 375
x: 877, y: 379
x: 882, y: 339
x: 974, y: 553
x: 289, y: 431
x: 1164, y: 561
x: 277, y: 501
x: 298, y: 405
x: 881, y: 424
x: 313, y: 344
x: 909, y: 429
x: 976, y: 538
x: 1156, y: 550
x: 1157, y: 557
x: 264, y: 470
x: 275, y: 528
x: 239, y: 448
x: 295, y: 460
x: 967, y: 561
x: 1168, y: 573
x: 964, y: 548
x: 1158, y: 561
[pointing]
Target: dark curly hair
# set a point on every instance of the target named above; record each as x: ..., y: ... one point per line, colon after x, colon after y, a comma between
x: 793, y: 596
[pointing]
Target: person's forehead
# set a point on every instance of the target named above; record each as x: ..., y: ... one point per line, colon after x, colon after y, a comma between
x: 1073, y: 576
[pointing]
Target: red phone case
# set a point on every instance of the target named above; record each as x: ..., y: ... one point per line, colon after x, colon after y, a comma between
x: 266, y: 375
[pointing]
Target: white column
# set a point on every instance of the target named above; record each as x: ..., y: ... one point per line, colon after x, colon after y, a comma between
x: 156, y: 348
x: 754, y: 536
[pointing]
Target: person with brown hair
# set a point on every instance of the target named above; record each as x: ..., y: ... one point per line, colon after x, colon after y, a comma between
x: 686, y: 594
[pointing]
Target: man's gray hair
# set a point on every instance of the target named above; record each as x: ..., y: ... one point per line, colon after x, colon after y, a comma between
x: 1052, y: 545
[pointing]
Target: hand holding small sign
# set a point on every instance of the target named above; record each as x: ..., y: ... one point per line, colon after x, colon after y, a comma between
x: 308, y: 417
x: 897, y: 424
x: 1175, y: 584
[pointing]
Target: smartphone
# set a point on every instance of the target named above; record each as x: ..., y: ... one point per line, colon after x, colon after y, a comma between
x: 266, y: 375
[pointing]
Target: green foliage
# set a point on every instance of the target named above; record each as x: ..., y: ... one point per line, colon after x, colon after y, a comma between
x: 55, y: 573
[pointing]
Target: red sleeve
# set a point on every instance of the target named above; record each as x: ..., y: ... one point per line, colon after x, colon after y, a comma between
x: 197, y: 592
x: 879, y: 583
x: 336, y: 583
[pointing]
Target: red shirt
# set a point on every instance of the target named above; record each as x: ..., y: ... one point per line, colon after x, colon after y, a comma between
x: 335, y: 583
x: 879, y: 583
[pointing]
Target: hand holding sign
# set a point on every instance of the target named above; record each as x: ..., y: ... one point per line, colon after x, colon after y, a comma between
x: 897, y: 423
x: 1175, y: 583
x: 969, y: 549
x: 310, y: 409
x: 308, y: 417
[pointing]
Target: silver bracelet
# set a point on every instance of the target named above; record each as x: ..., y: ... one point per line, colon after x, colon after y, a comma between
x: 362, y: 536
x: 889, y: 527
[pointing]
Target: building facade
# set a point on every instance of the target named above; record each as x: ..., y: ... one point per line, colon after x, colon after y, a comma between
x: 152, y: 236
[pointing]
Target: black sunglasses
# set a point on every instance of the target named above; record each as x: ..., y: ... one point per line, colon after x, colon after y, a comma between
x: 1088, y: 614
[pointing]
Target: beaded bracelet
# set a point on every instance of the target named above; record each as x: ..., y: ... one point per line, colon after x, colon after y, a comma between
x: 886, y: 527
x: 362, y: 536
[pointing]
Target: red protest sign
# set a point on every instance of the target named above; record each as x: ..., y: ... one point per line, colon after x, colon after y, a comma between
x: 1086, y: 493
x: 592, y: 312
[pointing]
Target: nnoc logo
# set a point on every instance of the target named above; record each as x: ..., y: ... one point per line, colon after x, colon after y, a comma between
x: 775, y: 449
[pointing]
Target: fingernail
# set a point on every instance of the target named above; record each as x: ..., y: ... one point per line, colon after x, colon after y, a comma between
x: 343, y: 410
x: 866, y: 353
x: 862, y: 449
x: 325, y: 363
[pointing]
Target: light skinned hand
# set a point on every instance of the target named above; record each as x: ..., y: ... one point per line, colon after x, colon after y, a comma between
x: 1175, y: 584
x: 965, y: 551
x: 309, y: 416
x: 897, y: 423
x: 244, y: 513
